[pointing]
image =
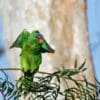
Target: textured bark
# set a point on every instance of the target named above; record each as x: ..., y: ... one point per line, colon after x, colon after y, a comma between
x: 63, y: 24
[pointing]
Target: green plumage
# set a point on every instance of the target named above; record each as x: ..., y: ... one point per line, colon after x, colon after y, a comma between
x: 32, y: 46
x: 30, y: 57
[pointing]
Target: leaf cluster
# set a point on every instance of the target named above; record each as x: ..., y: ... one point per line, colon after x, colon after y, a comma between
x: 48, y: 86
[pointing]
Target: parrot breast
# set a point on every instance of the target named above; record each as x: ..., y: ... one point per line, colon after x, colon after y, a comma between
x: 30, y: 58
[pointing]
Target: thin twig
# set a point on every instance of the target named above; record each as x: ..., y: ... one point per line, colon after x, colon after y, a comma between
x: 18, y: 69
x: 14, y: 69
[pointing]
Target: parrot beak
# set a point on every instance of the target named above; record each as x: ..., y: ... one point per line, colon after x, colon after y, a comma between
x: 46, y: 48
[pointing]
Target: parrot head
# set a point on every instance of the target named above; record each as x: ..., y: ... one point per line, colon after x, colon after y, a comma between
x: 44, y: 45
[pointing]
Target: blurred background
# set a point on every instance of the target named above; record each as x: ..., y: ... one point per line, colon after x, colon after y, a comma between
x: 3, y: 57
x: 94, y: 32
x: 93, y: 13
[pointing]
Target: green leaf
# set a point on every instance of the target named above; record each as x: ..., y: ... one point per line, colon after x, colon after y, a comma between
x: 74, y: 72
x: 80, y: 68
x: 58, y: 78
x: 4, y: 87
x: 84, y: 69
x: 75, y: 64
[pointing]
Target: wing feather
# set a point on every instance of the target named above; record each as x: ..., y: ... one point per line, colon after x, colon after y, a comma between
x: 21, y: 39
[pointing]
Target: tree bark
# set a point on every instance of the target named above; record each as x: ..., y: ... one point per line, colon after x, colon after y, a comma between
x: 62, y: 22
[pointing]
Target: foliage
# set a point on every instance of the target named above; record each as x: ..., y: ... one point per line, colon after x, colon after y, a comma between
x: 48, y: 86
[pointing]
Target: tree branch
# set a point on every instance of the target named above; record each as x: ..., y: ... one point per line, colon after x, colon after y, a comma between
x: 13, y: 69
x: 18, y: 69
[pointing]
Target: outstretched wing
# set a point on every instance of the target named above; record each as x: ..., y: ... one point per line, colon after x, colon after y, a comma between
x: 46, y: 48
x: 21, y: 39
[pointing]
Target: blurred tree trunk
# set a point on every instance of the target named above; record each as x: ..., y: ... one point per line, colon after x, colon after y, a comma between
x: 62, y: 22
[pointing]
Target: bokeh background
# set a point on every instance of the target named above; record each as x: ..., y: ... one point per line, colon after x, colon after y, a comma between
x: 93, y: 13
x: 94, y: 32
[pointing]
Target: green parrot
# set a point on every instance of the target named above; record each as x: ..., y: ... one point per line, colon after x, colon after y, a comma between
x: 32, y: 46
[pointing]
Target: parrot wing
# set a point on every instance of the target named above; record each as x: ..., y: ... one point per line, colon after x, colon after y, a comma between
x: 21, y: 39
x: 46, y: 48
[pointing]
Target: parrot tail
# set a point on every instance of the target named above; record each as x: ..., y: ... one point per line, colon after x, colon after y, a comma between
x: 26, y: 81
x: 28, y: 75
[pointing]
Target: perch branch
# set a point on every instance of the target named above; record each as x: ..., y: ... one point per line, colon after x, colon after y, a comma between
x: 18, y: 69
x: 10, y: 69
